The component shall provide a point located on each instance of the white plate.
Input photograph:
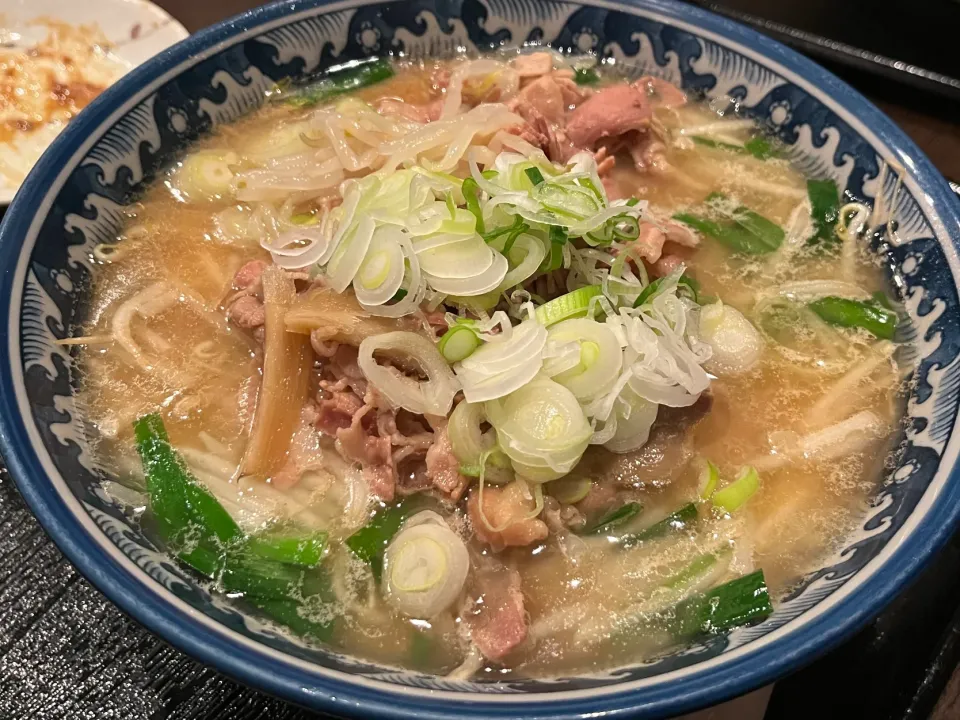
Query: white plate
(137, 30)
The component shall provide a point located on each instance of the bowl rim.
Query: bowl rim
(191, 631)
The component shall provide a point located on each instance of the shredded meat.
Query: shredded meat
(337, 412)
(506, 510)
(248, 312)
(323, 348)
(496, 618)
(561, 518)
(357, 444)
(248, 276)
(610, 112)
(443, 468)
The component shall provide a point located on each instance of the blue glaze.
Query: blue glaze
(74, 197)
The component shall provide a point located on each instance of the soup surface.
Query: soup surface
(494, 366)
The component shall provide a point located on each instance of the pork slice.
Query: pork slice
(504, 522)
(544, 96)
(248, 276)
(533, 65)
(247, 311)
(443, 468)
(549, 137)
(497, 620)
(649, 242)
(610, 112)
(337, 412)
(661, 92)
(374, 454)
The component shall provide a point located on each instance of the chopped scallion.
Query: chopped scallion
(370, 542)
(734, 495)
(572, 305)
(824, 208)
(873, 318)
(471, 193)
(738, 602)
(742, 230)
(536, 177)
(677, 520)
(585, 76)
(341, 81)
(458, 343)
(614, 519)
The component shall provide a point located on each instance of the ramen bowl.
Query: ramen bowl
(75, 198)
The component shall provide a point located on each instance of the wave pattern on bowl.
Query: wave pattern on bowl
(230, 81)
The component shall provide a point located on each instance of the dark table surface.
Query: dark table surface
(65, 652)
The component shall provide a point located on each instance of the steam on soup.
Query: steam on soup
(498, 363)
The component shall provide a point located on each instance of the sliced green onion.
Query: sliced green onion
(536, 177)
(738, 602)
(570, 490)
(572, 305)
(267, 569)
(689, 285)
(614, 519)
(734, 495)
(709, 479)
(585, 76)
(518, 227)
(761, 148)
(554, 258)
(625, 227)
(716, 144)
(855, 314)
(633, 202)
(370, 542)
(341, 81)
(742, 230)
(677, 520)
(422, 650)
(824, 208)
(182, 506)
(692, 572)
(457, 343)
(471, 192)
(305, 550)
(758, 147)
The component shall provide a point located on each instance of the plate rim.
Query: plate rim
(8, 192)
(187, 632)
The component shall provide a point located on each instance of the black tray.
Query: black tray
(913, 44)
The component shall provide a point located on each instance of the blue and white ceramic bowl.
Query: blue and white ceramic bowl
(75, 197)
